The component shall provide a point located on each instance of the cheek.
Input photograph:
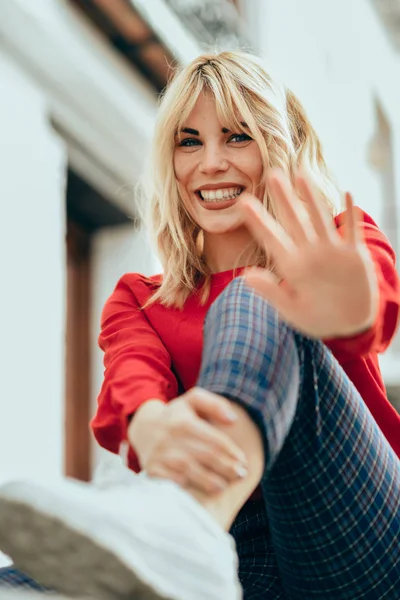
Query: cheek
(183, 194)
(181, 177)
(181, 168)
(251, 165)
(177, 168)
(256, 166)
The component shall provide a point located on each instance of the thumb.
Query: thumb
(210, 406)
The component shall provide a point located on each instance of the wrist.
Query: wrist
(145, 415)
(148, 410)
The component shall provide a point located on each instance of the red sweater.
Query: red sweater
(156, 352)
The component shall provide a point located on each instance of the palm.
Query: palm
(329, 284)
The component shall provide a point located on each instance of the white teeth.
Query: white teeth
(221, 194)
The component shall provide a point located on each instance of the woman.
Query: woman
(287, 442)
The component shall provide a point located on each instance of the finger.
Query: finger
(265, 229)
(352, 233)
(218, 441)
(194, 474)
(266, 285)
(167, 472)
(294, 217)
(322, 222)
(209, 406)
(205, 480)
(229, 469)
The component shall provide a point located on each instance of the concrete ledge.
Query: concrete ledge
(100, 102)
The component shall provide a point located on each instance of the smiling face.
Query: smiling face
(213, 166)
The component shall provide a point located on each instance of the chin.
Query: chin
(220, 224)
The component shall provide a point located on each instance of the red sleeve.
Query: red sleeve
(137, 364)
(378, 337)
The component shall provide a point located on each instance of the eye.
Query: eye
(240, 137)
(189, 142)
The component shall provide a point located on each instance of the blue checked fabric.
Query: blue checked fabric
(10, 577)
(258, 569)
(329, 527)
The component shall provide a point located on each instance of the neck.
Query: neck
(230, 250)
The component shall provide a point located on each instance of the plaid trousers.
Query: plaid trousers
(328, 525)
(10, 577)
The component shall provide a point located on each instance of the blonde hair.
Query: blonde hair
(243, 92)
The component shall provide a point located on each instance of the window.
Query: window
(382, 160)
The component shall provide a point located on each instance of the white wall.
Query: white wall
(32, 174)
(94, 96)
(32, 300)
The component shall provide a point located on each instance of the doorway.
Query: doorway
(77, 407)
(87, 212)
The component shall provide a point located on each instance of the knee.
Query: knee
(247, 328)
(239, 307)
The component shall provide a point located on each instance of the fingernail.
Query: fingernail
(241, 471)
(231, 415)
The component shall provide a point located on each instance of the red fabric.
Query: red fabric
(155, 353)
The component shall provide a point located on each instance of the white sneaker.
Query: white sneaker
(147, 540)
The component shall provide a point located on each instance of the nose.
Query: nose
(213, 160)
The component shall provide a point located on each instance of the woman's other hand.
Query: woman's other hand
(329, 283)
(180, 441)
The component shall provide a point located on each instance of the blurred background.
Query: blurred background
(79, 84)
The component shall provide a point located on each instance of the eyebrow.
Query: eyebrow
(189, 130)
(223, 130)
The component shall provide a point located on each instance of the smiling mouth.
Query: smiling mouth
(219, 195)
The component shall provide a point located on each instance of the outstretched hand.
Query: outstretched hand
(330, 286)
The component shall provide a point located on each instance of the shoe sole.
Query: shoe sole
(16, 594)
(66, 560)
